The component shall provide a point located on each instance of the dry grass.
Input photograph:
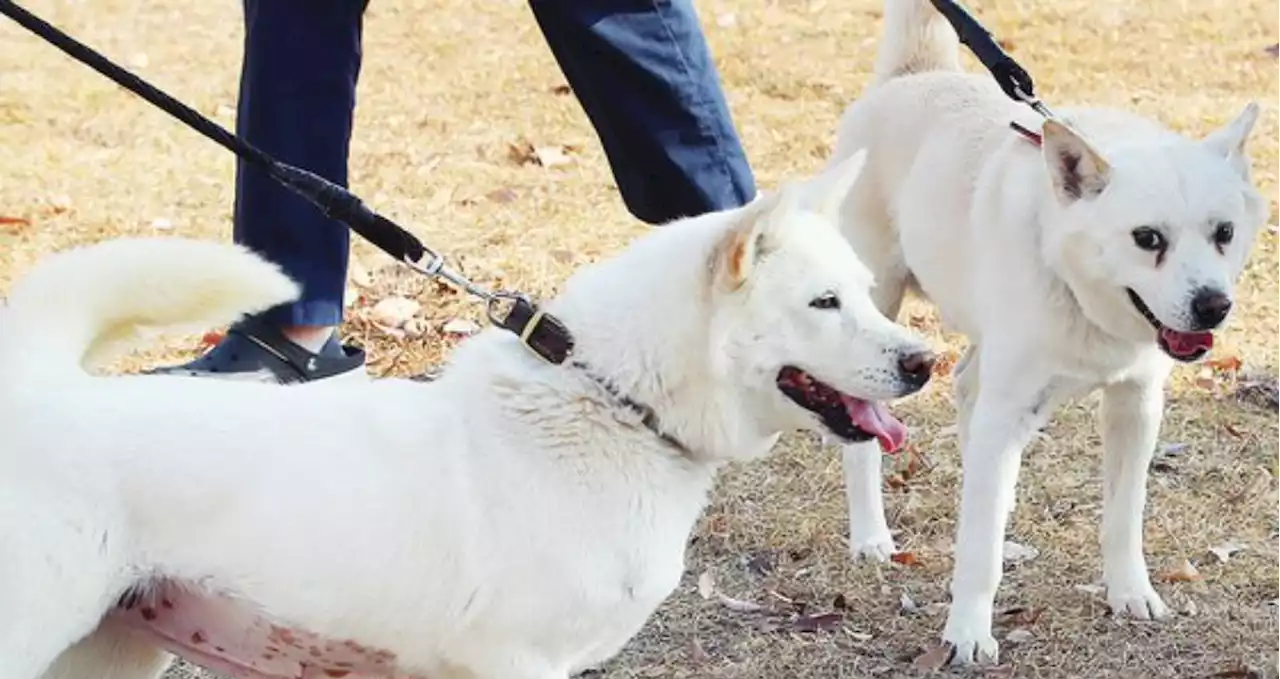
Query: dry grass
(462, 81)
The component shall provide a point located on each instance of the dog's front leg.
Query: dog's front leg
(1008, 409)
(869, 535)
(1130, 423)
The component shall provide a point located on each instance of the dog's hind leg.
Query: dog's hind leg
(59, 572)
(110, 652)
(1129, 420)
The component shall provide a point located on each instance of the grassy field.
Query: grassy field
(453, 95)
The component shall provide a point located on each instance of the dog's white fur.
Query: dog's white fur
(510, 520)
(1028, 253)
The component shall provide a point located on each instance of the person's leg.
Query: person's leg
(645, 77)
(296, 102)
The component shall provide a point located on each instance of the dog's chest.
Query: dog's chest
(231, 637)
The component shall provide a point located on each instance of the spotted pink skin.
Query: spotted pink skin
(229, 636)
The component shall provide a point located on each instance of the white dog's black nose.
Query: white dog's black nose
(1209, 308)
(916, 367)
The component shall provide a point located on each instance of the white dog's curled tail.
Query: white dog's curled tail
(915, 38)
(77, 308)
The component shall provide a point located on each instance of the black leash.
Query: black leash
(541, 332)
(1009, 74)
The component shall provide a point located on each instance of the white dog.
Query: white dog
(1084, 262)
(513, 520)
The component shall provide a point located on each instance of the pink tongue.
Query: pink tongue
(874, 418)
(1186, 343)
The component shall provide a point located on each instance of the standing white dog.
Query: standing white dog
(1085, 264)
(514, 519)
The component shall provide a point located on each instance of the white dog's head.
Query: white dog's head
(1153, 236)
(795, 321)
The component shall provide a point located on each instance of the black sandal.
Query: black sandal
(255, 350)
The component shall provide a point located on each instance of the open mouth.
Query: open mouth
(848, 417)
(1181, 346)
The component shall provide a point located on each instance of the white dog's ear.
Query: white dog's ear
(1075, 167)
(744, 244)
(1229, 140)
(835, 187)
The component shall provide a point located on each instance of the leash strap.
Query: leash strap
(541, 332)
(1009, 74)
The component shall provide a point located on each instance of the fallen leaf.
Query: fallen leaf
(761, 564)
(935, 658)
(1240, 672)
(415, 327)
(706, 584)
(1225, 363)
(460, 326)
(1183, 573)
(1205, 378)
(1225, 550)
(858, 636)
(1020, 615)
(392, 312)
(820, 622)
(800, 553)
(1015, 553)
(59, 203)
(521, 153)
(697, 654)
(14, 221)
(783, 598)
(905, 559)
(502, 195)
(738, 605)
(945, 362)
(1019, 636)
(551, 156)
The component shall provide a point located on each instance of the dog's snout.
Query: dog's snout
(916, 367)
(1209, 308)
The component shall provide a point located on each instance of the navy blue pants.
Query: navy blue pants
(641, 70)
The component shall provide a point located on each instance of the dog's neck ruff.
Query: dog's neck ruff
(648, 417)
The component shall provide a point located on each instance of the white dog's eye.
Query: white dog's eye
(1223, 233)
(1149, 239)
(826, 300)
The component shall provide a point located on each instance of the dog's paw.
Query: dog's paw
(873, 549)
(1140, 602)
(971, 644)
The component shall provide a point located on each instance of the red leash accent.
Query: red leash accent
(1033, 137)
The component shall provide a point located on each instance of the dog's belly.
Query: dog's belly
(229, 636)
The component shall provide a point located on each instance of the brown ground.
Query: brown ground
(451, 87)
